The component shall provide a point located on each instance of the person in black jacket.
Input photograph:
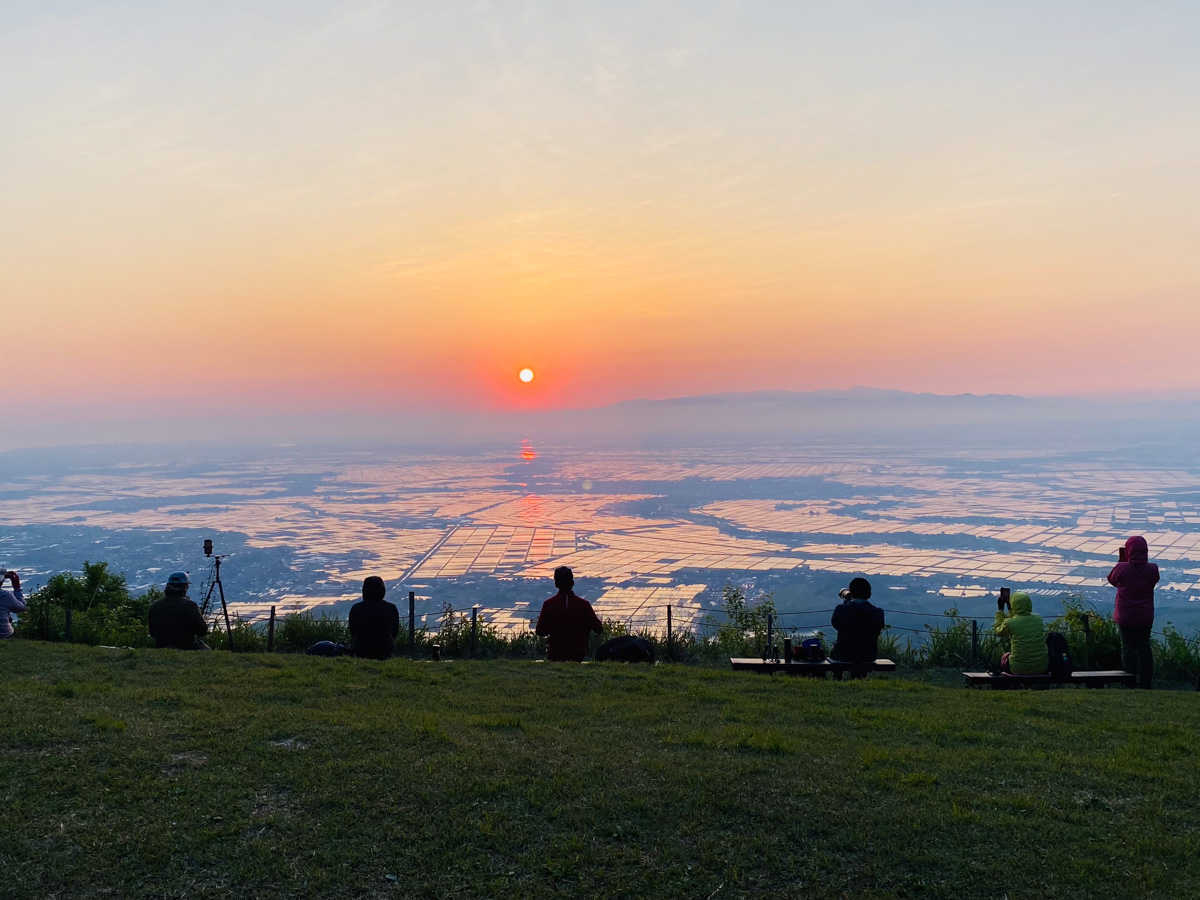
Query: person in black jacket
(858, 625)
(374, 623)
(175, 619)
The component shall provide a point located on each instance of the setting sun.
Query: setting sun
(526, 375)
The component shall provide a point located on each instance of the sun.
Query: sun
(526, 375)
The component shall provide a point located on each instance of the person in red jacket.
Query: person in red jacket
(1134, 577)
(566, 619)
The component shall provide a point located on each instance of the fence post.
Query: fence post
(770, 633)
(271, 632)
(1087, 640)
(69, 624)
(474, 629)
(670, 633)
(412, 622)
(974, 640)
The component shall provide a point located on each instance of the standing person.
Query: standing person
(566, 619)
(175, 620)
(1134, 577)
(374, 622)
(1028, 654)
(10, 602)
(858, 623)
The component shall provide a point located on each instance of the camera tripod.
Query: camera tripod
(216, 583)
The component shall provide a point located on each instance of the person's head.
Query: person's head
(1136, 549)
(1022, 603)
(373, 588)
(564, 578)
(860, 589)
(178, 584)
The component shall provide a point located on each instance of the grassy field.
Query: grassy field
(154, 774)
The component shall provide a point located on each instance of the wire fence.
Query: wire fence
(683, 618)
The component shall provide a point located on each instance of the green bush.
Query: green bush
(296, 632)
(102, 609)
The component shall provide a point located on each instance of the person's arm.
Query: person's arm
(596, 625)
(1114, 575)
(838, 620)
(1001, 624)
(15, 599)
(543, 621)
(199, 626)
(395, 623)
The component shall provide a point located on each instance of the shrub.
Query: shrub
(296, 632)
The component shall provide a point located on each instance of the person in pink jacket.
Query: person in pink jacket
(1134, 577)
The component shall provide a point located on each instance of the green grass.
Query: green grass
(157, 774)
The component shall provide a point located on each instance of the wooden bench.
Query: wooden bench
(1086, 679)
(810, 669)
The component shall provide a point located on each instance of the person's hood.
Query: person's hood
(1136, 549)
(1022, 604)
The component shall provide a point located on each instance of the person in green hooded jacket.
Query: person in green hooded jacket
(1027, 635)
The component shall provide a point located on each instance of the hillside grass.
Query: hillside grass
(140, 773)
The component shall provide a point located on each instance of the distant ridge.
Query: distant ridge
(856, 395)
(878, 413)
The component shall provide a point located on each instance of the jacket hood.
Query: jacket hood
(1022, 604)
(1136, 549)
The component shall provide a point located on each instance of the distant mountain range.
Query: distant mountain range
(867, 410)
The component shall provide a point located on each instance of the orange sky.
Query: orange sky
(396, 206)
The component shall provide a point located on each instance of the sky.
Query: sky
(295, 207)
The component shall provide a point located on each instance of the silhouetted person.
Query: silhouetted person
(10, 602)
(859, 624)
(1026, 632)
(374, 623)
(566, 619)
(1134, 577)
(175, 620)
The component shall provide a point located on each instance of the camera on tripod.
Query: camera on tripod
(215, 582)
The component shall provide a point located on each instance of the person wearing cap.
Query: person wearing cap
(10, 602)
(858, 623)
(1027, 654)
(374, 622)
(175, 620)
(566, 620)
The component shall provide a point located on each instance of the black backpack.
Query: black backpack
(1060, 655)
(628, 648)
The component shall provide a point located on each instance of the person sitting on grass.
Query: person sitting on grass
(858, 623)
(1027, 653)
(175, 619)
(566, 619)
(374, 622)
(10, 602)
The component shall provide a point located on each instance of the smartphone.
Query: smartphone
(1122, 555)
(1005, 593)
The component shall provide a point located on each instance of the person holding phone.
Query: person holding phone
(1027, 654)
(1134, 577)
(10, 602)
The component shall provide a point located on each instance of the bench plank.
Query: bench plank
(809, 669)
(1091, 679)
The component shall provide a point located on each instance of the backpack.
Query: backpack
(811, 650)
(1060, 655)
(628, 648)
(328, 648)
